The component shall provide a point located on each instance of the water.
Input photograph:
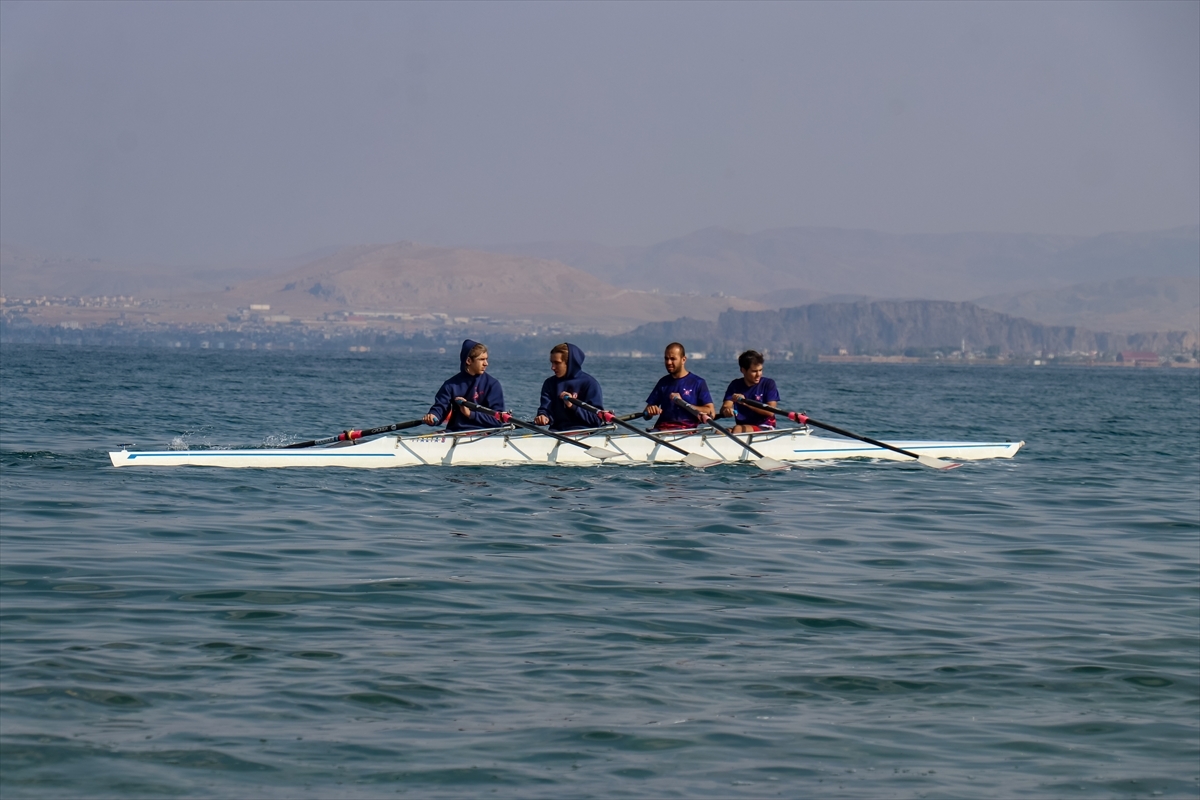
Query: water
(1023, 628)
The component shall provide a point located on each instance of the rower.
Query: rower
(568, 382)
(471, 383)
(678, 382)
(754, 386)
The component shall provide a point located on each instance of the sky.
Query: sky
(187, 133)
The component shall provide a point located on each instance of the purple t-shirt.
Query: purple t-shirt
(690, 387)
(763, 392)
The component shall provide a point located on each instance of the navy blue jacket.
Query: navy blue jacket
(575, 381)
(482, 389)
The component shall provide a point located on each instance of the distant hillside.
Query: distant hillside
(832, 261)
(25, 272)
(883, 327)
(1122, 306)
(408, 277)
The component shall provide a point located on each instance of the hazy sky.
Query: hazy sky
(198, 133)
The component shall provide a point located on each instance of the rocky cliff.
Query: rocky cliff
(884, 327)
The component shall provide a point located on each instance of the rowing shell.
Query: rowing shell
(507, 445)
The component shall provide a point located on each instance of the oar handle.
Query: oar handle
(804, 419)
(695, 412)
(503, 416)
(350, 436)
(795, 416)
(691, 409)
(605, 416)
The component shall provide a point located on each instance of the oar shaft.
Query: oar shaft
(695, 412)
(350, 436)
(570, 400)
(504, 416)
(804, 419)
(608, 416)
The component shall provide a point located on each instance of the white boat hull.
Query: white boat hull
(507, 446)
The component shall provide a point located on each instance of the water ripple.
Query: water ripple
(1017, 628)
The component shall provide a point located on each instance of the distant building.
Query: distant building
(1138, 359)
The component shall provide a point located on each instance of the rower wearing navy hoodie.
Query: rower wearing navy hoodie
(471, 383)
(566, 362)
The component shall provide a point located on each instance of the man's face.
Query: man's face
(558, 364)
(752, 374)
(674, 360)
(477, 365)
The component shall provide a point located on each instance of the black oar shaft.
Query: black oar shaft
(695, 412)
(804, 419)
(504, 416)
(350, 436)
(608, 416)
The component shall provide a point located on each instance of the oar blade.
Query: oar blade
(699, 461)
(601, 453)
(937, 463)
(769, 464)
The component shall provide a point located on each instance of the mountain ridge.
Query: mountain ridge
(408, 277)
(837, 261)
(885, 327)
(1136, 281)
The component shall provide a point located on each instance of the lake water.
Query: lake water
(1014, 628)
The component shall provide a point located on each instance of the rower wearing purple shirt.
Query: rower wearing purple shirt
(754, 386)
(678, 382)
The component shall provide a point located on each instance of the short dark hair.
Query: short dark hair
(750, 358)
(682, 352)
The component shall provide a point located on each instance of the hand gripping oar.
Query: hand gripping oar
(804, 419)
(691, 459)
(760, 461)
(504, 416)
(575, 401)
(350, 436)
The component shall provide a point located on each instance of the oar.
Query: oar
(575, 401)
(760, 461)
(691, 459)
(804, 419)
(504, 416)
(350, 436)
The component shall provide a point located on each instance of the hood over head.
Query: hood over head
(575, 358)
(467, 345)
